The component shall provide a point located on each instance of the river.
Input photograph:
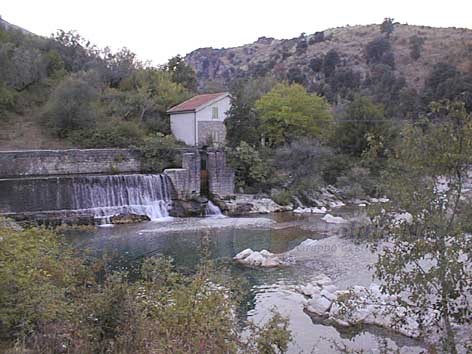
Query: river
(223, 237)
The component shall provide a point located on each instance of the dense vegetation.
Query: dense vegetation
(428, 254)
(55, 300)
(83, 96)
(290, 133)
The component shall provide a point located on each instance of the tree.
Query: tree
(251, 169)
(181, 72)
(302, 164)
(145, 96)
(243, 122)
(361, 121)
(316, 64)
(387, 26)
(119, 65)
(446, 82)
(425, 256)
(329, 62)
(379, 51)
(288, 112)
(72, 105)
(416, 44)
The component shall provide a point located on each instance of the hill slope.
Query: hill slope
(218, 67)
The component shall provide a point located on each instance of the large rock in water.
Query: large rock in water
(333, 219)
(241, 204)
(359, 305)
(264, 259)
(189, 208)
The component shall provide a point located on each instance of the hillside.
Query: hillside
(295, 59)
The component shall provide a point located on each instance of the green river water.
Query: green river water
(338, 257)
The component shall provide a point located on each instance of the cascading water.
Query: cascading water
(212, 210)
(106, 196)
(98, 196)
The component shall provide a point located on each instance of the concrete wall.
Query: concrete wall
(182, 126)
(220, 175)
(66, 162)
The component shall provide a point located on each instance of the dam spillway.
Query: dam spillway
(90, 185)
(97, 196)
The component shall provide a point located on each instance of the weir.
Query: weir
(97, 196)
(92, 186)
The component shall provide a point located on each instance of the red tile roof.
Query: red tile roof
(193, 103)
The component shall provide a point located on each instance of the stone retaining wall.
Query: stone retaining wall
(220, 175)
(66, 162)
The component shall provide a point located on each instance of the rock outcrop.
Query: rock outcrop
(242, 204)
(359, 305)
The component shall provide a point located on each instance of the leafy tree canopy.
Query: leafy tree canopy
(181, 72)
(288, 112)
(362, 120)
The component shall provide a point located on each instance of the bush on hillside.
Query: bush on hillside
(111, 133)
(379, 51)
(73, 105)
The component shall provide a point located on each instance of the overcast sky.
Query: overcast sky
(157, 30)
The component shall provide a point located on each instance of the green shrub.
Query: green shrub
(160, 152)
(112, 133)
(7, 99)
(251, 169)
(357, 182)
(73, 105)
(282, 197)
(51, 302)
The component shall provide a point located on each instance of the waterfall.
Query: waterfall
(105, 196)
(212, 210)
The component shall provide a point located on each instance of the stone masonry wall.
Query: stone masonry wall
(66, 162)
(186, 180)
(214, 132)
(220, 175)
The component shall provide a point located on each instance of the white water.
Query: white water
(106, 196)
(212, 210)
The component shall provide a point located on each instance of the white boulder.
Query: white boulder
(360, 305)
(263, 258)
(334, 219)
(319, 305)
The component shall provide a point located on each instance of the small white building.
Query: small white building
(199, 121)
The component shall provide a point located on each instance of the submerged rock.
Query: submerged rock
(128, 219)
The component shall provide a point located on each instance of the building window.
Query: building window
(214, 112)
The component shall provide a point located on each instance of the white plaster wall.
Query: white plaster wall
(205, 114)
(223, 107)
(182, 126)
